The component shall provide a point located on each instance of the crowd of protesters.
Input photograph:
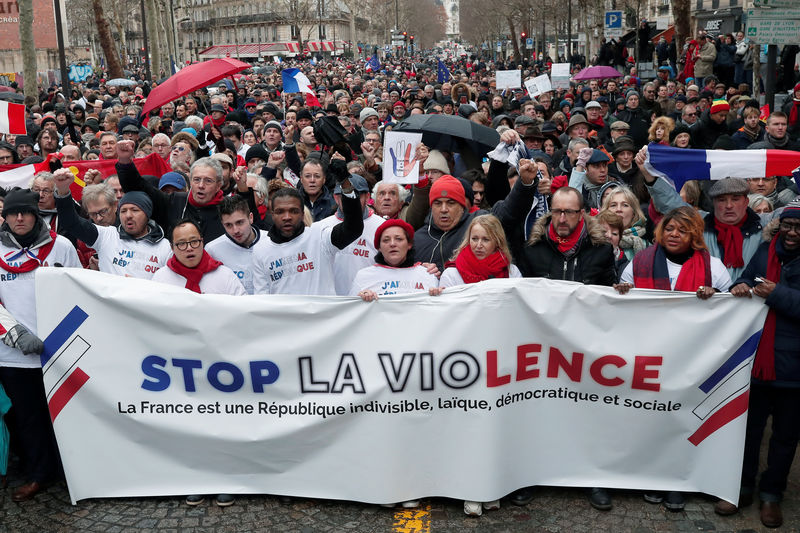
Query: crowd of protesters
(258, 176)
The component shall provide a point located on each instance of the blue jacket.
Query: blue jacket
(785, 301)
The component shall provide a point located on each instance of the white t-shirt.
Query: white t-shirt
(451, 278)
(221, 280)
(128, 257)
(303, 265)
(236, 257)
(18, 294)
(720, 278)
(384, 280)
(357, 255)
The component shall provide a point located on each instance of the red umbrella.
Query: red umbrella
(191, 78)
(596, 73)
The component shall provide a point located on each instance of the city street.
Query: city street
(552, 510)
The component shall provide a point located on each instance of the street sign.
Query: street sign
(529, 42)
(774, 3)
(612, 26)
(773, 26)
(773, 31)
(773, 13)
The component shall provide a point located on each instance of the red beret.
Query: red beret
(393, 222)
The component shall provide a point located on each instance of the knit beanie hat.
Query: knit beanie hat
(393, 222)
(139, 199)
(792, 210)
(448, 187)
(257, 150)
(21, 201)
(719, 105)
(436, 161)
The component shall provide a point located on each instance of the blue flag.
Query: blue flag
(373, 64)
(442, 74)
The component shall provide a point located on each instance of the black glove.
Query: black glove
(55, 164)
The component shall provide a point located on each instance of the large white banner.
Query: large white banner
(156, 390)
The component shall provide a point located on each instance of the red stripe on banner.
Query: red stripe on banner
(16, 119)
(781, 162)
(66, 391)
(730, 411)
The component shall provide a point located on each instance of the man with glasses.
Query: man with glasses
(136, 248)
(768, 187)
(689, 114)
(773, 274)
(200, 203)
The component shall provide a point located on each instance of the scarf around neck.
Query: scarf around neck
(194, 275)
(211, 203)
(567, 245)
(473, 270)
(729, 236)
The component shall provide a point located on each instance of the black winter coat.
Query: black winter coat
(785, 301)
(593, 264)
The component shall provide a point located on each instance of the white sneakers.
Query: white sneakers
(476, 508)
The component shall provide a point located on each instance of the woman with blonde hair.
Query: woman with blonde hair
(483, 254)
(660, 129)
(623, 202)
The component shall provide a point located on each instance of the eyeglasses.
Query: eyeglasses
(178, 148)
(568, 212)
(99, 214)
(690, 114)
(193, 244)
(788, 226)
(6, 157)
(207, 181)
(43, 192)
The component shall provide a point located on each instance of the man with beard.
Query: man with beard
(299, 260)
(137, 248)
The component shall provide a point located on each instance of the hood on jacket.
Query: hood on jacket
(154, 233)
(8, 239)
(770, 230)
(595, 232)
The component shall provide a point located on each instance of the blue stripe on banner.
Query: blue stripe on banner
(62, 332)
(743, 352)
(679, 164)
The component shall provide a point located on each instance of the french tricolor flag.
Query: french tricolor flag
(682, 164)
(295, 81)
(12, 118)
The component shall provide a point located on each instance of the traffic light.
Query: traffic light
(412, 38)
(405, 34)
(524, 35)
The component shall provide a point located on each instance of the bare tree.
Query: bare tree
(681, 9)
(106, 40)
(28, 49)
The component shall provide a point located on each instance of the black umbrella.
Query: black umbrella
(12, 97)
(453, 134)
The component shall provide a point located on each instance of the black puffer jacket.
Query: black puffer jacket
(593, 264)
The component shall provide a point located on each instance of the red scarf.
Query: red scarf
(214, 201)
(794, 114)
(565, 244)
(194, 275)
(473, 270)
(730, 237)
(34, 261)
(764, 365)
(650, 270)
